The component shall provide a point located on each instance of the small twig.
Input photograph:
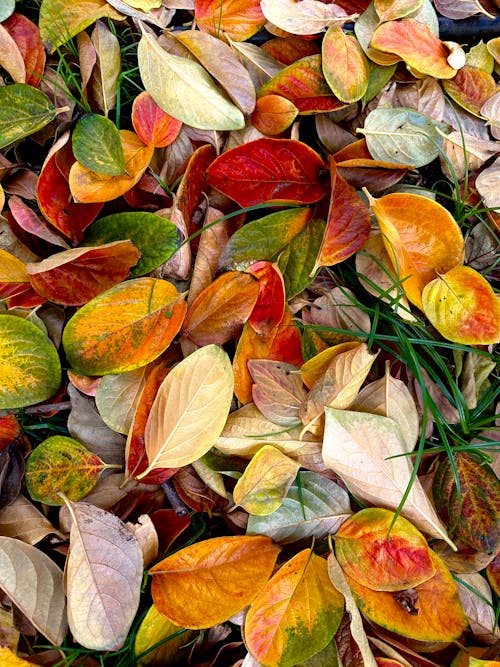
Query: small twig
(180, 508)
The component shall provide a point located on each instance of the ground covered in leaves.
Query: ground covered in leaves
(248, 317)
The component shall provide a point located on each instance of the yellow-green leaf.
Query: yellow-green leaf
(23, 110)
(296, 615)
(30, 370)
(345, 67)
(156, 629)
(190, 409)
(266, 480)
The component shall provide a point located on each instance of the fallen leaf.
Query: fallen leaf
(273, 114)
(23, 110)
(156, 629)
(94, 130)
(105, 78)
(269, 308)
(304, 18)
(471, 88)
(349, 82)
(117, 398)
(152, 125)
(477, 602)
(237, 19)
(23, 521)
(277, 390)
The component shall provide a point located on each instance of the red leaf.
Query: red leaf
(270, 307)
(27, 38)
(193, 184)
(153, 126)
(31, 223)
(348, 224)
(73, 277)
(269, 170)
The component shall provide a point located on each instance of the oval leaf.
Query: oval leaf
(61, 465)
(349, 82)
(97, 145)
(104, 337)
(23, 110)
(30, 370)
(237, 19)
(190, 409)
(186, 586)
(153, 126)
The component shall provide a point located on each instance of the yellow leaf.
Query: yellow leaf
(266, 480)
(210, 581)
(190, 409)
(154, 629)
(9, 659)
(349, 82)
(463, 307)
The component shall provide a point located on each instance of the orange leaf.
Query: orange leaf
(269, 309)
(73, 277)
(349, 82)
(210, 581)
(463, 307)
(348, 223)
(289, 49)
(381, 557)
(421, 238)
(88, 186)
(296, 615)
(416, 44)
(273, 114)
(153, 126)
(14, 278)
(193, 184)
(238, 19)
(124, 328)
(440, 616)
(470, 88)
(304, 84)
(220, 310)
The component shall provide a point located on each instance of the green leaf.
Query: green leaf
(23, 110)
(314, 507)
(30, 370)
(183, 89)
(6, 9)
(297, 260)
(97, 145)
(155, 237)
(61, 465)
(402, 136)
(263, 238)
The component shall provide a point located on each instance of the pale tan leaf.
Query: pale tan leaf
(117, 397)
(214, 480)
(178, 267)
(145, 533)
(338, 310)
(477, 602)
(358, 446)
(260, 65)
(34, 583)
(220, 61)
(475, 154)
(87, 57)
(190, 409)
(10, 57)
(103, 578)
(184, 89)
(304, 18)
(491, 111)
(25, 522)
(356, 622)
(461, 562)
(105, 75)
(487, 184)
(277, 391)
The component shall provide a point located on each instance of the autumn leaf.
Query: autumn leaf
(152, 125)
(237, 19)
(186, 585)
(349, 82)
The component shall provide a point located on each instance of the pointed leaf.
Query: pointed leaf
(266, 480)
(26, 36)
(297, 260)
(358, 447)
(388, 10)
(186, 586)
(471, 87)
(463, 307)
(314, 507)
(296, 615)
(23, 110)
(30, 370)
(61, 465)
(152, 125)
(156, 630)
(268, 311)
(383, 555)
(104, 84)
(34, 583)
(190, 409)
(237, 19)
(269, 170)
(103, 575)
(117, 398)
(96, 145)
(103, 337)
(305, 18)
(183, 89)
(349, 82)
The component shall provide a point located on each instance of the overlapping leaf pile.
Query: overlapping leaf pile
(251, 246)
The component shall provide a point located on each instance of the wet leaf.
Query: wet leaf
(183, 89)
(61, 465)
(238, 19)
(266, 480)
(463, 307)
(23, 110)
(349, 82)
(269, 170)
(97, 132)
(103, 578)
(186, 585)
(421, 238)
(34, 583)
(152, 125)
(363, 449)
(296, 614)
(314, 507)
(440, 616)
(190, 409)
(103, 337)
(471, 517)
(30, 369)
(383, 555)
(220, 310)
